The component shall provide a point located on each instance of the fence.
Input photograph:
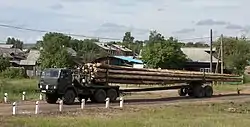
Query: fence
(24, 106)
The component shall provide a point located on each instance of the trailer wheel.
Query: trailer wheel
(69, 97)
(208, 91)
(182, 92)
(51, 98)
(100, 95)
(198, 91)
(112, 94)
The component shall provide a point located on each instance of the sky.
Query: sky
(182, 19)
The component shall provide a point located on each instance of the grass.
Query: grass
(15, 88)
(186, 115)
(227, 88)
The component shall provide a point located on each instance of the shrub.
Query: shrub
(246, 78)
(13, 73)
(4, 63)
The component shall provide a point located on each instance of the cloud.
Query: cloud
(234, 27)
(185, 31)
(210, 22)
(112, 29)
(57, 6)
(77, 0)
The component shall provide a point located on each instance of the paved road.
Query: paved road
(28, 107)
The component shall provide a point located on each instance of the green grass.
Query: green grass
(206, 115)
(15, 87)
(228, 87)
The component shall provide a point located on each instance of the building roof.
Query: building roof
(129, 59)
(121, 47)
(28, 62)
(6, 52)
(105, 46)
(32, 58)
(198, 54)
(6, 45)
(33, 55)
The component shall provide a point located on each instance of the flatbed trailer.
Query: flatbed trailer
(65, 84)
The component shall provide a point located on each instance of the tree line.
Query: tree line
(157, 52)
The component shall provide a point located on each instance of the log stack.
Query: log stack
(102, 73)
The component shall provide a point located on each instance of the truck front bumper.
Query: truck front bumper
(47, 91)
(47, 88)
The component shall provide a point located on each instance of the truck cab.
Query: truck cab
(60, 83)
(54, 82)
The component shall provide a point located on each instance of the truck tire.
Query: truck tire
(51, 98)
(198, 91)
(208, 91)
(112, 94)
(100, 96)
(69, 97)
(182, 92)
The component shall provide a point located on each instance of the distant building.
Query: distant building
(107, 48)
(199, 59)
(14, 54)
(30, 64)
(122, 50)
(128, 61)
(114, 49)
(6, 45)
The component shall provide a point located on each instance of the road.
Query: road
(28, 107)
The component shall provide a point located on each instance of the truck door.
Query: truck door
(65, 80)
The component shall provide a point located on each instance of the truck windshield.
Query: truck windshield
(50, 73)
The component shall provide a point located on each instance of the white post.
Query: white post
(23, 98)
(60, 105)
(121, 102)
(14, 108)
(37, 107)
(5, 97)
(83, 103)
(41, 97)
(107, 102)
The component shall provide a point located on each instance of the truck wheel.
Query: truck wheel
(208, 91)
(100, 95)
(69, 97)
(198, 91)
(51, 98)
(112, 94)
(182, 92)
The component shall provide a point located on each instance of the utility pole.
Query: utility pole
(222, 59)
(211, 50)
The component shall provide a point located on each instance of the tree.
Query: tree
(54, 53)
(163, 53)
(87, 49)
(4, 63)
(16, 42)
(155, 37)
(236, 53)
(128, 38)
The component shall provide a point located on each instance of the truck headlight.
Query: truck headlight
(40, 86)
(54, 87)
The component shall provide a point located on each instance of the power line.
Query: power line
(45, 31)
(85, 36)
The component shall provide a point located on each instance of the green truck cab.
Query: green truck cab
(62, 83)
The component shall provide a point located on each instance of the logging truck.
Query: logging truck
(93, 82)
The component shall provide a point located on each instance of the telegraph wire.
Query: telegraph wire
(85, 36)
(45, 31)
